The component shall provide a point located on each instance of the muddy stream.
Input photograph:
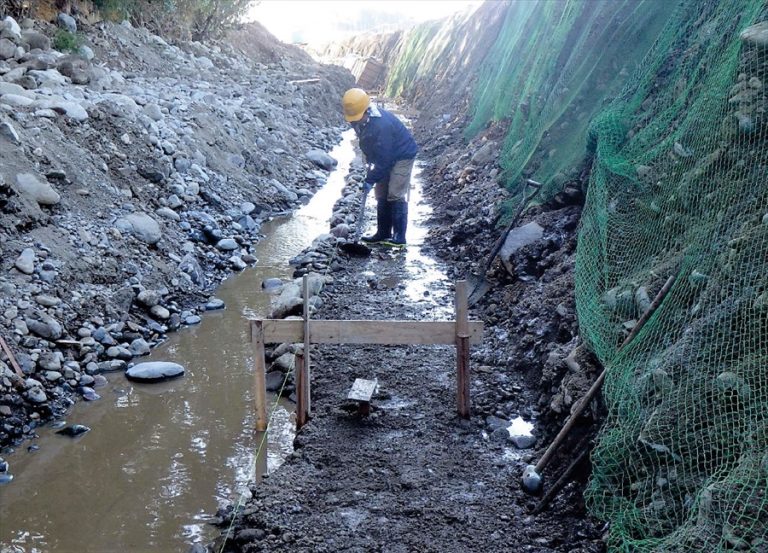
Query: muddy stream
(160, 458)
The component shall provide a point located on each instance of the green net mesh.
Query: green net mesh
(679, 187)
(548, 74)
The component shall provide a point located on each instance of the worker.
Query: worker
(389, 151)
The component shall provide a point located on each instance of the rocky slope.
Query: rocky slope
(134, 175)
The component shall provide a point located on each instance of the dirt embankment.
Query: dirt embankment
(134, 175)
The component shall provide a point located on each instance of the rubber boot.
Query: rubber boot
(383, 223)
(399, 221)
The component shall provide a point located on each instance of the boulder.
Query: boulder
(26, 261)
(756, 35)
(485, 153)
(76, 68)
(7, 49)
(67, 22)
(321, 159)
(519, 238)
(36, 40)
(8, 23)
(154, 371)
(8, 132)
(143, 227)
(14, 100)
(36, 189)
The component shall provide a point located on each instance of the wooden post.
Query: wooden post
(259, 375)
(300, 368)
(462, 349)
(307, 365)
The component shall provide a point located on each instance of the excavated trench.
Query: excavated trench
(161, 458)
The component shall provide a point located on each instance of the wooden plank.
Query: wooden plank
(462, 349)
(362, 389)
(370, 332)
(308, 379)
(259, 375)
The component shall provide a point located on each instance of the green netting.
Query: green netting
(550, 71)
(679, 186)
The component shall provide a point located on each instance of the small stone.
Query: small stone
(139, 347)
(227, 244)
(89, 394)
(74, 430)
(193, 320)
(213, 304)
(119, 352)
(160, 312)
(47, 301)
(52, 376)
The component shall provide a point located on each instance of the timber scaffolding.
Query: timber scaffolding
(460, 332)
(369, 73)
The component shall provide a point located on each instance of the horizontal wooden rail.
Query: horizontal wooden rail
(368, 332)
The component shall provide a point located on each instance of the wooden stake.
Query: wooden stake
(259, 376)
(462, 349)
(300, 368)
(307, 384)
(11, 358)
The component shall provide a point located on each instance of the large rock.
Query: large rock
(36, 40)
(67, 22)
(76, 68)
(757, 35)
(289, 302)
(14, 100)
(9, 24)
(11, 88)
(45, 326)
(7, 49)
(485, 154)
(26, 261)
(519, 238)
(38, 190)
(73, 110)
(321, 159)
(8, 132)
(154, 371)
(143, 227)
(285, 192)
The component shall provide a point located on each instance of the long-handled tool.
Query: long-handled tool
(478, 285)
(531, 479)
(355, 247)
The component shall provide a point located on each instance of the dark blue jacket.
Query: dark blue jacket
(384, 140)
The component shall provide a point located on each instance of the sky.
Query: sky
(318, 21)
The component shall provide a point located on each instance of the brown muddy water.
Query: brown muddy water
(161, 458)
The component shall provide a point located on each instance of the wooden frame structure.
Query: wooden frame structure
(462, 333)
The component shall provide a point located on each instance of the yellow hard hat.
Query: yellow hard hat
(355, 102)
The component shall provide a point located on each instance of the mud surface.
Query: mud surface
(413, 476)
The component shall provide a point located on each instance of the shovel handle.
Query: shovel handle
(584, 401)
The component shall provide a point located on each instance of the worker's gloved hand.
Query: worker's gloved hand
(367, 187)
